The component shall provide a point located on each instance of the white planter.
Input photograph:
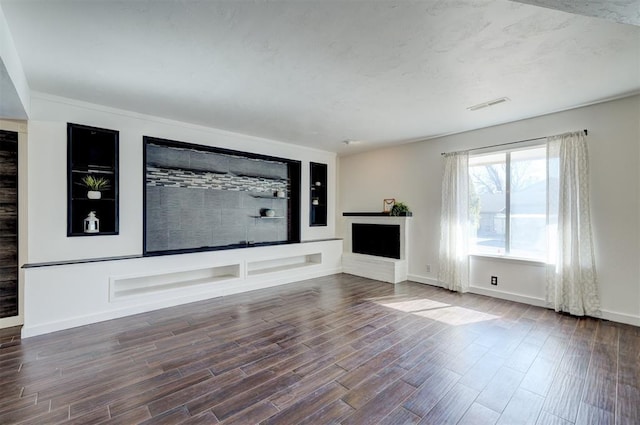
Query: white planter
(94, 194)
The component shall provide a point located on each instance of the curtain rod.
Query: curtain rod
(586, 132)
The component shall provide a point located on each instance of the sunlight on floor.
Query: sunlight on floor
(442, 312)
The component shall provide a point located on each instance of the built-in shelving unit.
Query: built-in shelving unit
(91, 151)
(127, 287)
(283, 263)
(318, 194)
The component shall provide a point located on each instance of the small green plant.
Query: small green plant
(399, 208)
(96, 183)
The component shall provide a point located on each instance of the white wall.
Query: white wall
(47, 161)
(61, 296)
(412, 173)
(13, 83)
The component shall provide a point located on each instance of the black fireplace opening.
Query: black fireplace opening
(382, 240)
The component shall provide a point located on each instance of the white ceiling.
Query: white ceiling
(316, 73)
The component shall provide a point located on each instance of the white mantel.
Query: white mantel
(390, 270)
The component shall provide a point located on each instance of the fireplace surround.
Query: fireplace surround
(367, 251)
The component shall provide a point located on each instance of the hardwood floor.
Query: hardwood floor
(339, 349)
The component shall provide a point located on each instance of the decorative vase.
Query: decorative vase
(270, 213)
(94, 194)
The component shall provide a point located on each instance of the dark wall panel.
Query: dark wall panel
(8, 224)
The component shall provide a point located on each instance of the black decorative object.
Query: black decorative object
(92, 156)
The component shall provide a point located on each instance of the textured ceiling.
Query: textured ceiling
(316, 73)
(623, 11)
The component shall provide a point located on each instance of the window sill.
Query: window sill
(505, 258)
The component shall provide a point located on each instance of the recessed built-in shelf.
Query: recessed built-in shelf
(318, 194)
(91, 152)
(128, 287)
(265, 217)
(92, 171)
(284, 263)
(267, 196)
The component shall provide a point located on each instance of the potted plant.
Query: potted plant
(400, 209)
(95, 185)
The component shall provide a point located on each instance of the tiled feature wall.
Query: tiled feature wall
(205, 180)
(204, 199)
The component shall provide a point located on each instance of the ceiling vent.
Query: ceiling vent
(489, 103)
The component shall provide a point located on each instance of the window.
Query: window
(508, 203)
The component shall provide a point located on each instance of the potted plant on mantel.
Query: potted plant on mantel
(95, 185)
(400, 209)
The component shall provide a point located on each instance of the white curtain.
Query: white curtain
(454, 223)
(571, 275)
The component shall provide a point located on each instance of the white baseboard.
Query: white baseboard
(424, 279)
(484, 291)
(510, 296)
(614, 316)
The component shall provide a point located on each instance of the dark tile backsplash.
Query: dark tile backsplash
(206, 199)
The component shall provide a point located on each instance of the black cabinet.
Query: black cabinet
(92, 153)
(318, 194)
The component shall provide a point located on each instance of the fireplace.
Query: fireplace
(376, 246)
(382, 240)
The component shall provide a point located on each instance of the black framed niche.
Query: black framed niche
(92, 152)
(201, 198)
(318, 194)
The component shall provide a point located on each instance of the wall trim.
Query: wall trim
(539, 302)
(424, 279)
(510, 296)
(613, 316)
(9, 322)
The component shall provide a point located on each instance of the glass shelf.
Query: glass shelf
(257, 195)
(265, 217)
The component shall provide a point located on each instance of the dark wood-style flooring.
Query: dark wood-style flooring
(339, 349)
